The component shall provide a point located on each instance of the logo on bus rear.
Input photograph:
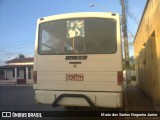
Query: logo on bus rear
(74, 77)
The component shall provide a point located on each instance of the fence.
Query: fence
(7, 82)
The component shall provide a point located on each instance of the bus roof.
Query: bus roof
(79, 15)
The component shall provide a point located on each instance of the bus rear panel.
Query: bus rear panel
(78, 60)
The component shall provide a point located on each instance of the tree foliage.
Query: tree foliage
(21, 56)
(132, 63)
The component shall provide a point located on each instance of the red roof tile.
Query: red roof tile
(21, 60)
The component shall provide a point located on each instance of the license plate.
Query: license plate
(75, 77)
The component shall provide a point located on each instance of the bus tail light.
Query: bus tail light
(34, 77)
(120, 77)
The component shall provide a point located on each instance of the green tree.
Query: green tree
(132, 63)
(21, 56)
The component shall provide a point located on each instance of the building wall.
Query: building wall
(10, 74)
(21, 73)
(147, 51)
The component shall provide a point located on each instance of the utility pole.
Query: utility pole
(125, 37)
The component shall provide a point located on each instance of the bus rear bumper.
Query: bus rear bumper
(70, 98)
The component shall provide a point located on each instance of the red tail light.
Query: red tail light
(120, 77)
(34, 77)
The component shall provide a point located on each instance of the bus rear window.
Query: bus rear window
(78, 36)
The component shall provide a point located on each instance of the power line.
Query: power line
(19, 47)
(20, 39)
(16, 44)
(130, 12)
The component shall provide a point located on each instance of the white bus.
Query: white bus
(78, 60)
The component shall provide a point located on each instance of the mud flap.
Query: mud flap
(54, 104)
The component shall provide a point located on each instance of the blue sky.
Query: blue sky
(18, 20)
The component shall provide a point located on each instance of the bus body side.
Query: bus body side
(96, 76)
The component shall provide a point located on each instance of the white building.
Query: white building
(19, 70)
